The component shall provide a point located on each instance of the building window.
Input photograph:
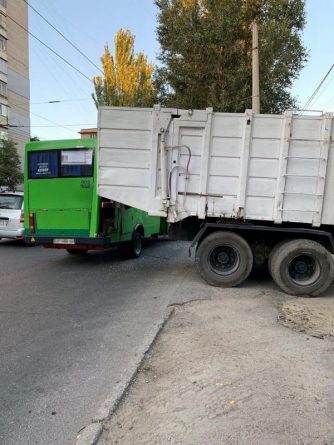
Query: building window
(3, 110)
(3, 88)
(3, 43)
(3, 66)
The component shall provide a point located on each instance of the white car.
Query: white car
(11, 215)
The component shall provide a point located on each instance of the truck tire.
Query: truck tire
(224, 259)
(301, 267)
(134, 248)
(77, 251)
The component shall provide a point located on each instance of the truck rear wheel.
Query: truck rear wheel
(301, 267)
(224, 259)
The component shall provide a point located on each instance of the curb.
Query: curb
(91, 434)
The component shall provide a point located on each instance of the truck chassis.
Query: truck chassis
(299, 259)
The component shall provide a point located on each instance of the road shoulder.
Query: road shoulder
(225, 370)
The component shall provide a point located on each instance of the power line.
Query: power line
(41, 117)
(17, 132)
(59, 101)
(58, 55)
(316, 91)
(329, 102)
(48, 47)
(64, 85)
(102, 72)
(54, 12)
(67, 40)
(45, 126)
(149, 12)
(21, 133)
(19, 61)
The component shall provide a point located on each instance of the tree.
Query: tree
(10, 165)
(206, 52)
(126, 77)
(34, 139)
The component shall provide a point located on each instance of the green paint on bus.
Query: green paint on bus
(62, 208)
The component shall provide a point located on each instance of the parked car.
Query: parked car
(11, 215)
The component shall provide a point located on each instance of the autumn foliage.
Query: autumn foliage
(126, 79)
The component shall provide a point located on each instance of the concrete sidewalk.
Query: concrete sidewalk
(226, 370)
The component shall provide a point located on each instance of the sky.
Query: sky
(90, 25)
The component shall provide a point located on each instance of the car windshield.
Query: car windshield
(10, 201)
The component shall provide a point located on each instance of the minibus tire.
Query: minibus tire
(135, 246)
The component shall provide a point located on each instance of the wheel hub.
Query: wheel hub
(301, 267)
(224, 260)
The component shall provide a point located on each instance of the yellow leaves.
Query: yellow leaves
(186, 3)
(189, 5)
(126, 76)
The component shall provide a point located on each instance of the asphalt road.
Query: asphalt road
(69, 328)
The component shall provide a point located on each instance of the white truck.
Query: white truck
(246, 189)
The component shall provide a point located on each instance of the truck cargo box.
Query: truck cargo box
(180, 163)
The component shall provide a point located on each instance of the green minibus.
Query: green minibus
(62, 207)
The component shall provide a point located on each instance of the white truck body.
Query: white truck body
(180, 163)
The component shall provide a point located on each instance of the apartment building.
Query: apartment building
(14, 73)
(87, 133)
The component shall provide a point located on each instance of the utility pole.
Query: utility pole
(255, 67)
